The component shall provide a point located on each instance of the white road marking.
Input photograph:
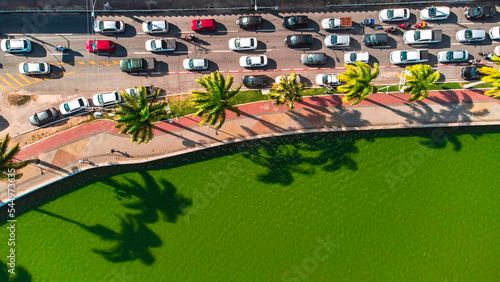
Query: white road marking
(456, 43)
(221, 51)
(228, 31)
(466, 23)
(142, 53)
(182, 52)
(158, 72)
(285, 69)
(263, 50)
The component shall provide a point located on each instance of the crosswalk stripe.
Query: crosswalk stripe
(1, 86)
(105, 63)
(15, 80)
(93, 63)
(24, 78)
(82, 63)
(8, 83)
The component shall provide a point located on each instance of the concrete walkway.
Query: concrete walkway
(60, 154)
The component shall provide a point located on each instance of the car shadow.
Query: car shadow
(267, 26)
(130, 31)
(373, 60)
(354, 45)
(3, 123)
(261, 48)
(120, 52)
(271, 65)
(212, 67)
(162, 67)
(180, 49)
(37, 50)
(173, 31)
(221, 29)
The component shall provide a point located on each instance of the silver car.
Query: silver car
(195, 64)
(337, 41)
(34, 68)
(43, 117)
(15, 45)
(470, 35)
(155, 27)
(313, 59)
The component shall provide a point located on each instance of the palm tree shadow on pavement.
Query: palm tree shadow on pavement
(151, 198)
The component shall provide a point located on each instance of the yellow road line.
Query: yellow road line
(82, 63)
(24, 78)
(8, 83)
(36, 79)
(60, 63)
(93, 63)
(115, 62)
(71, 72)
(1, 86)
(15, 80)
(105, 63)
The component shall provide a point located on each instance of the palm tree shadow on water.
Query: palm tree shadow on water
(21, 274)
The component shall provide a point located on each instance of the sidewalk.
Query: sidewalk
(60, 154)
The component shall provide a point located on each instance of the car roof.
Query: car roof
(158, 24)
(16, 43)
(198, 62)
(34, 67)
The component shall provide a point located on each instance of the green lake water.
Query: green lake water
(359, 206)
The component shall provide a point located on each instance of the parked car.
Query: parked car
(352, 57)
(313, 59)
(409, 56)
(43, 117)
(15, 45)
(204, 25)
(155, 27)
(376, 39)
(424, 36)
(434, 13)
(134, 92)
(107, 98)
(337, 40)
(394, 15)
(494, 33)
(74, 106)
(161, 45)
(456, 56)
(253, 61)
(100, 46)
(470, 35)
(298, 40)
(195, 64)
(471, 73)
(34, 68)
(246, 43)
(327, 79)
(109, 26)
(249, 22)
(337, 23)
(496, 51)
(287, 77)
(295, 21)
(252, 81)
(480, 12)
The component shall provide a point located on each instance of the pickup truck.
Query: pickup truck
(336, 23)
(423, 36)
(138, 64)
(409, 56)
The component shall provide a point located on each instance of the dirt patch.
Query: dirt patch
(17, 100)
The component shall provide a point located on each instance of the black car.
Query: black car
(480, 12)
(299, 40)
(471, 73)
(376, 39)
(295, 22)
(249, 22)
(252, 81)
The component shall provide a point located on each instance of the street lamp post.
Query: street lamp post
(93, 11)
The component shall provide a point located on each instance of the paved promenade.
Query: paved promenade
(61, 153)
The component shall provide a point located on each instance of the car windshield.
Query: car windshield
(353, 57)
(249, 60)
(35, 117)
(310, 58)
(373, 39)
(94, 45)
(250, 81)
(66, 107)
(252, 43)
(7, 44)
(331, 22)
(404, 55)
(191, 64)
(117, 25)
(449, 55)
(237, 43)
(198, 24)
(476, 12)
(41, 66)
(334, 39)
(468, 34)
(432, 12)
(292, 20)
(390, 13)
(26, 68)
(101, 101)
(325, 79)
(101, 25)
(150, 25)
(153, 44)
(293, 40)
(417, 35)
(245, 20)
(80, 101)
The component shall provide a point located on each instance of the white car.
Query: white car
(134, 92)
(352, 57)
(496, 51)
(470, 35)
(394, 15)
(409, 56)
(109, 26)
(155, 27)
(247, 43)
(15, 45)
(336, 23)
(456, 56)
(74, 106)
(495, 33)
(327, 79)
(195, 64)
(107, 98)
(337, 40)
(434, 13)
(161, 45)
(34, 68)
(279, 78)
(423, 36)
(254, 61)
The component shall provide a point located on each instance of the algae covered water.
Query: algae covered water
(357, 206)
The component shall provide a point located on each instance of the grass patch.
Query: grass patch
(18, 100)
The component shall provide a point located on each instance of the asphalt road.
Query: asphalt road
(80, 73)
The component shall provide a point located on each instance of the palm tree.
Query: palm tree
(288, 91)
(9, 169)
(136, 116)
(418, 81)
(493, 77)
(214, 101)
(358, 80)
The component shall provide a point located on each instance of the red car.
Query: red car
(203, 25)
(100, 46)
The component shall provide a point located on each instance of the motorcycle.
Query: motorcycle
(391, 29)
(474, 61)
(61, 48)
(421, 25)
(189, 37)
(487, 55)
(367, 22)
(405, 25)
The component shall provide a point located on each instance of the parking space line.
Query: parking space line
(222, 51)
(8, 83)
(93, 63)
(1, 86)
(142, 53)
(37, 79)
(263, 50)
(24, 78)
(82, 63)
(14, 79)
